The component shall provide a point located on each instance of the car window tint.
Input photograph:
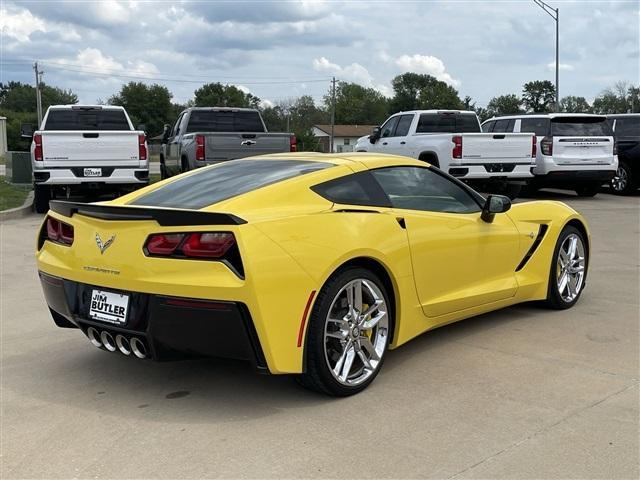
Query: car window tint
(224, 121)
(467, 123)
(89, 119)
(436, 123)
(539, 126)
(566, 126)
(389, 127)
(417, 188)
(355, 189)
(628, 127)
(488, 126)
(226, 180)
(402, 130)
(501, 126)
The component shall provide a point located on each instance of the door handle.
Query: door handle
(403, 143)
(384, 143)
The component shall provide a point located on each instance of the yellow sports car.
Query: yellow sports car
(302, 263)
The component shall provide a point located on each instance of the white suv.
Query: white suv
(575, 151)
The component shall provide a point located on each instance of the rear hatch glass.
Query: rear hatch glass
(224, 121)
(226, 180)
(86, 119)
(571, 126)
(447, 123)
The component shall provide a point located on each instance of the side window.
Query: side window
(418, 188)
(355, 189)
(539, 126)
(510, 125)
(389, 128)
(176, 127)
(402, 130)
(488, 126)
(501, 126)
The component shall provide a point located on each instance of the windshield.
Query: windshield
(567, 126)
(225, 121)
(86, 119)
(226, 180)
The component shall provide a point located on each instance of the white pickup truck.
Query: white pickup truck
(86, 148)
(452, 141)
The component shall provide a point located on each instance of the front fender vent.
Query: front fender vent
(536, 243)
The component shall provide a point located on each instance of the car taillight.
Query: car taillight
(37, 151)
(293, 143)
(615, 147)
(213, 245)
(457, 146)
(534, 147)
(59, 232)
(200, 153)
(142, 146)
(546, 146)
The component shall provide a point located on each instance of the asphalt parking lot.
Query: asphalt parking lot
(519, 393)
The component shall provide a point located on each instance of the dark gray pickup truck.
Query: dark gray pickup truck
(626, 132)
(207, 135)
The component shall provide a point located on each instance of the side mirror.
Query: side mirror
(142, 127)
(166, 132)
(26, 130)
(495, 204)
(375, 135)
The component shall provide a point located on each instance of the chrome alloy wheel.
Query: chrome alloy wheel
(619, 182)
(356, 332)
(570, 268)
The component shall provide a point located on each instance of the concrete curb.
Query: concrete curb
(18, 212)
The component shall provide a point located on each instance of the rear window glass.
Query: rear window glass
(447, 123)
(224, 121)
(565, 126)
(539, 126)
(93, 119)
(226, 180)
(628, 127)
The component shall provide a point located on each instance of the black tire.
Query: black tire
(163, 169)
(529, 190)
(317, 375)
(41, 197)
(554, 298)
(624, 183)
(512, 190)
(184, 164)
(588, 189)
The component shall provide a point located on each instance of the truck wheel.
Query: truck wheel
(163, 169)
(512, 190)
(42, 195)
(623, 183)
(588, 189)
(184, 165)
(529, 190)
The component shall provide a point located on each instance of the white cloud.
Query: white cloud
(19, 25)
(426, 64)
(355, 73)
(92, 59)
(563, 66)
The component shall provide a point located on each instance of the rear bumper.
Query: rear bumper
(488, 171)
(169, 327)
(575, 177)
(74, 176)
(546, 165)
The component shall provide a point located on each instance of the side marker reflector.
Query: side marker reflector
(303, 322)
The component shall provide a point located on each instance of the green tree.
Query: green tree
(573, 104)
(146, 104)
(297, 115)
(418, 91)
(621, 98)
(358, 105)
(539, 96)
(509, 104)
(219, 95)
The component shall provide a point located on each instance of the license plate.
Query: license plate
(109, 307)
(92, 172)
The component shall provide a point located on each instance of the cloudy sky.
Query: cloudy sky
(278, 49)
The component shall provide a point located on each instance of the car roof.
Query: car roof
(460, 112)
(79, 106)
(368, 160)
(622, 115)
(543, 115)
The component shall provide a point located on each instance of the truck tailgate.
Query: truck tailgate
(493, 147)
(227, 146)
(68, 148)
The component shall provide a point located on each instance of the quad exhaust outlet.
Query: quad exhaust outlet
(125, 345)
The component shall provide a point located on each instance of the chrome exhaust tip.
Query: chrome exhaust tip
(94, 336)
(107, 341)
(123, 345)
(138, 348)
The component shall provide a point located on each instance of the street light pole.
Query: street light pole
(555, 14)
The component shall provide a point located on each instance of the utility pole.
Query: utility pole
(555, 14)
(38, 95)
(333, 111)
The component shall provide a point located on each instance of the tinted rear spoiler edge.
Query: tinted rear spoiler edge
(164, 216)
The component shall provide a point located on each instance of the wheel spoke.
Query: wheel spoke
(563, 259)
(573, 245)
(339, 334)
(372, 322)
(365, 360)
(343, 367)
(368, 346)
(344, 325)
(571, 289)
(562, 283)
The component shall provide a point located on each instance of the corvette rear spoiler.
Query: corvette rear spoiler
(167, 217)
